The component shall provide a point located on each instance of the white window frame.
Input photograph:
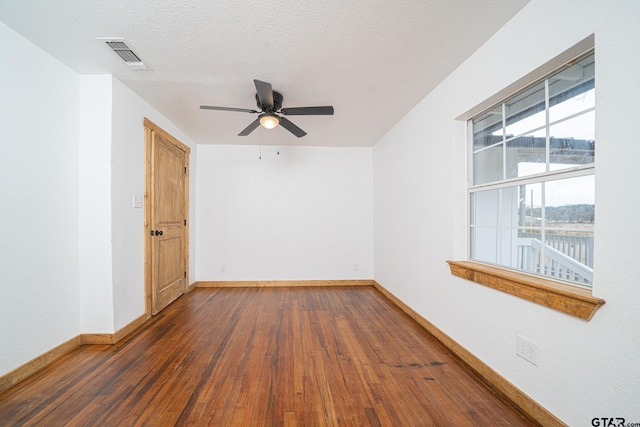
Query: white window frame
(543, 178)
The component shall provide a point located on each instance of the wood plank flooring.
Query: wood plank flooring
(307, 356)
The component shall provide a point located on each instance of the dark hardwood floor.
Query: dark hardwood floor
(306, 356)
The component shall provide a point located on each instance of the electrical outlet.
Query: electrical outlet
(526, 349)
(356, 267)
(223, 268)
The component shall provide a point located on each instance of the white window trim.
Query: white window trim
(570, 299)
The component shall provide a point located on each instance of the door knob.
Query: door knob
(158, 232)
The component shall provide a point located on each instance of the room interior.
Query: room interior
(376, 192)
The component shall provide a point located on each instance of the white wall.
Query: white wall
(305, 214)
(39, 296)
(94, 199)
(127, 169)
(111, 229)
(71, 252)
(586, 369)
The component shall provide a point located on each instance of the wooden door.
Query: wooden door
(167, 231)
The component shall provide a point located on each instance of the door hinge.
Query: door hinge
(185, 170)
(185, 274)
(185, 222)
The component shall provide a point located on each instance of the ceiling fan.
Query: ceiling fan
(270, 104)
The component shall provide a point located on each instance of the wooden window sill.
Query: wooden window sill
(565, 298)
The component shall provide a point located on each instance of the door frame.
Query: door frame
(150, 129)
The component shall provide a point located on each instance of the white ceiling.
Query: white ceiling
(372, 60)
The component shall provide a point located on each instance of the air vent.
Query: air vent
(128, 56)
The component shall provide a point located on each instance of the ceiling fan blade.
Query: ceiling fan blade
(240, 110)
(308, 111)
(288, 125)
(254, 124)
(265, 92)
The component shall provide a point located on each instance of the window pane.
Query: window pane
(530, 206)
(526, 111)
(569, 256)
(572, 142)
(578, 245)
(487, 128)
(529, 253)
(487, 165)
(484, 244)
(526, 155)
(484, 208)
(516, 211)
(576, 104)
(569, 214)
(509, 213)
(570, 203)
(572, 90)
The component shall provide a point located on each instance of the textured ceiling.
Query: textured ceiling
(372, 60)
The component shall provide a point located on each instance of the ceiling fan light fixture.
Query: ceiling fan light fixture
(269, 120)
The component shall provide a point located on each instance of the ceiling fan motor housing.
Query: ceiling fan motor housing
(277, 103)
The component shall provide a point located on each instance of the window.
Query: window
(532, 173)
